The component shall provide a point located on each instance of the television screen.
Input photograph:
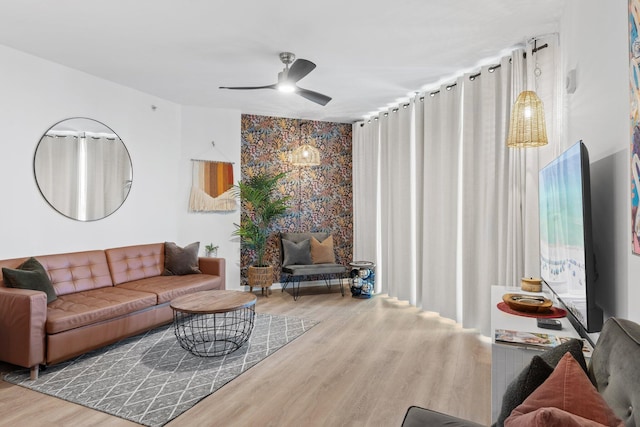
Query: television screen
(567, 264)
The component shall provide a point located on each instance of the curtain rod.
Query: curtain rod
(82, 135)
(211, 161)
(472, 77)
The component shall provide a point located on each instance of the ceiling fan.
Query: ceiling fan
(288, 78)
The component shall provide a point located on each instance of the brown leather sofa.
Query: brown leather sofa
(102, 297)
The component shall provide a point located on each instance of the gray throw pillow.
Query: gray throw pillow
(180, 261)
(296, 253)
(535, 374)
(30, 275)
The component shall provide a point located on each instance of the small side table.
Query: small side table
(363, 277)
(213, 323)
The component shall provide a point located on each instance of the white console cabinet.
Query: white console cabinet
(507, 361)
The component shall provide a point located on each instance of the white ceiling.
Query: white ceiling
(369, 53)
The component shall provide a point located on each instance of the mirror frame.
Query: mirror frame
(107, 129)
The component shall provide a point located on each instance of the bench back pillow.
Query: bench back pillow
(322, 252)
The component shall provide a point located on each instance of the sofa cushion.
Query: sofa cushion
(180, 261)
(322, 252)
(297, 253)
(30, 275)
(533, 375)
(136, 262)
(569, 389)
(95, 305)
(77, 271)
(166, 288)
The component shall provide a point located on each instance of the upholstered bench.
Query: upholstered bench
(308, 254)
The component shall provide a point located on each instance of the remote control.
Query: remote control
(549, 324)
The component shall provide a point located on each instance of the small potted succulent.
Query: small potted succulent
(211, 250)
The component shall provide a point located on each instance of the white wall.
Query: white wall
(593, 41)
(200, 127)
(35, 94)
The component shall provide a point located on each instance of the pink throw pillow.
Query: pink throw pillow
(566, 398)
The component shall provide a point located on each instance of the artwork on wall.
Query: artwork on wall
(634, 86)
(211, 187)
(321, 196)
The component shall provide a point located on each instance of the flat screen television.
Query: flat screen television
(567, 261)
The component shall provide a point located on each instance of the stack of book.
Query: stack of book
(535, 340)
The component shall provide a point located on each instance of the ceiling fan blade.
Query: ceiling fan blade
(248, 87)
(299, 69)
(316, 97)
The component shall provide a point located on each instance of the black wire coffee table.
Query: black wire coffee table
(213, 323)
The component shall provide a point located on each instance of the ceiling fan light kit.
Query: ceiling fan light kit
(294, 70)
(286, 87)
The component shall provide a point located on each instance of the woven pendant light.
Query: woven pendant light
(305, 155)
(527, 128)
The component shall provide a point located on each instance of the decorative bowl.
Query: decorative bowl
(527, 303)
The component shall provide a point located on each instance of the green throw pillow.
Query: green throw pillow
(30, 275)
(296, 253)
(180, 261)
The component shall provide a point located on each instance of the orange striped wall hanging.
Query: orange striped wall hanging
(211, 187)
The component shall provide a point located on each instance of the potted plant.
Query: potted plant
(211, 250)
(260, 207)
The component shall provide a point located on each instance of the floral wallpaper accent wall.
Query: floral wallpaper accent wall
(321, 196)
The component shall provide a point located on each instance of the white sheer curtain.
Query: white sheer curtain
(83, 177)
(57, 164)
(458, 209)
(398, 203)
(366, 140)
(485, 162)
(439, 201)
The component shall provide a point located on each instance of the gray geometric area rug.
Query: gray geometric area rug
(149, 379)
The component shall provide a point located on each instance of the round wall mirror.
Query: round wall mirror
(83, 169)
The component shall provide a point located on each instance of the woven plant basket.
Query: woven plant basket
(260, 277)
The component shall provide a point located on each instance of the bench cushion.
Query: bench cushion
(308, 270)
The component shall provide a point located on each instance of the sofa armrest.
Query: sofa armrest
(421, 417)
(215, 267)
(23, 314)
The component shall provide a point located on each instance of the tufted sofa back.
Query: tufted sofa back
(615, 371)
(71, 272)
(135, 262)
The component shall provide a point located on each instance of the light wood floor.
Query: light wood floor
(364, 364)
